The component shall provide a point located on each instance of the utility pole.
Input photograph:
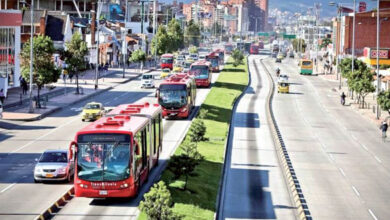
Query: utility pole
(155, 28)
(124, 44)
(98, 9)
(353, 36)
(378, 81)
(31, 109)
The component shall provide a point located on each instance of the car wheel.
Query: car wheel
(83, 119)
(36, 181)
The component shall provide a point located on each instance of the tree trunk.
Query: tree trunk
(77, 83)
(38, 98)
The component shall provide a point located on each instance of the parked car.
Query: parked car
(147, 80)
(54, 165)
(92, 111)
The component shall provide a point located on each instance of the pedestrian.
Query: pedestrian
(383, 128)
(2, 96)
(24, 86)
(331, 69)
(343, 98)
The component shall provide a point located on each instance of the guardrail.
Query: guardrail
(53, 209)
(291, 179)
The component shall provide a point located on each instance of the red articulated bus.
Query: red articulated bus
(177, 95)
(254, 49)
(114, 155)
(167, 61)
(201, 70)
(213, 58)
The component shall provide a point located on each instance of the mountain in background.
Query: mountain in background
(302, 5)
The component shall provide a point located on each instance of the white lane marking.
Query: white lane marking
(331, 157)
(364, 146)
(7, 188)
(342, 172)
(353, 136)
(372, 214)
(356, 191)
(377, 158)
(43, 136)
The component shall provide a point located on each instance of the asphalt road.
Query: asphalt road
(254, 187)
(23, 142)
(341, 161)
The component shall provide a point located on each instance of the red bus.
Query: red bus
(221, 55)
(261, 45)
(228, 48)
(254, 49)
(114, 155)
(176, 95)
(201, 70)
(167, 61)
(213, 58)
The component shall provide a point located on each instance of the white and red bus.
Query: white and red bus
(177, 95)
(213, 58)
(167, 61)
(201, 70)
(114, 155)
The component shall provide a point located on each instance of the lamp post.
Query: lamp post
(31, 109)
(378, 81)
(353, 36)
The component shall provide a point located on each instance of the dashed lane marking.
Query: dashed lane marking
(356, 191)
(342, 172)
(7, 188)
(372, 214)
(377, 158)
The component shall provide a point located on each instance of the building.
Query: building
(10, 26)
(263, 20)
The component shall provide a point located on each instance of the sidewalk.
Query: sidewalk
(63, 95)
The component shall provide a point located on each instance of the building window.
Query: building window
(7, 54)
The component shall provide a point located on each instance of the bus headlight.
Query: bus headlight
(124, 185)
(83, 186)
(183, 109)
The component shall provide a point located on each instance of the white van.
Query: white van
(147, 80)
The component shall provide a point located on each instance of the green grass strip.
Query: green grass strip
(199, 200)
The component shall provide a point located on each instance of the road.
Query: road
(23, 142)
(341, 162)
(254, 187)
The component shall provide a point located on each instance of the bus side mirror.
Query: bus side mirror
(72, 150)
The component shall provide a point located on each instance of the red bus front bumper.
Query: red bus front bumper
(166, 66)
(105, 189)
(202, 82)
(215, 69)
(176, 113)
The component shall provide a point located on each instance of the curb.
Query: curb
(53, 209)
(221, 191)
(39, 117)
(290, 177)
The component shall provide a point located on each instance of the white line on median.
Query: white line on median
(356, 191)
(372, 214)
(342, 172)
(7, 188)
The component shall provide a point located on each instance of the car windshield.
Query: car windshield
(54, 157)
(104, 161)
(147, 77)
(173, 96)
(167, 60)
(200, 72)
(92, 106)
(306, 63)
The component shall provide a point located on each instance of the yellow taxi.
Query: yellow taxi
(165, 72)
(283, 87)
(178, 69)
(92, 111)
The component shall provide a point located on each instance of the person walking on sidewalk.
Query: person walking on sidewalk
(2, 96)
(343, 98)
(383, 128)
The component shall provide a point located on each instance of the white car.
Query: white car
(283, 78)
(54, 165)
(202, 57)
(147, 80)
(194, 56)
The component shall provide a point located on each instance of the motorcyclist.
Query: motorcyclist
(277, 71)
(343, 98)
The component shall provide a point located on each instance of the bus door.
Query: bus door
(142, 153)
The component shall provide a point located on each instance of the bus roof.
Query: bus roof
(167, 55)
(123, 119)
(201, 63)
(213, 54)
(180, 78)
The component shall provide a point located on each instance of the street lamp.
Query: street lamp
(31, 109)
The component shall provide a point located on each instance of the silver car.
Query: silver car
(54, 165)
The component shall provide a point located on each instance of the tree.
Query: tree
(161, 41)
(197, 131)
(44, 70)
(192, 34)
(298, 44)
(383, 101)
(176, 36)
(186, 162)
(74, 56)
(158, 202)
(325, 42)
(138, 56)
(237, 57)
(193, 49)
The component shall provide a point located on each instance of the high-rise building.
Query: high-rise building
(263, 5)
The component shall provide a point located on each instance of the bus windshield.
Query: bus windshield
(167, 60)
(213, 61)
(99, 160)
(200, 72)
(306, 63)
(173, 96)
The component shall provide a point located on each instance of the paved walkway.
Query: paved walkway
(63, 93)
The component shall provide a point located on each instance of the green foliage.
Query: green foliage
(325, 42)
(192, 34)
(202, 113)
(238, 57)
(168, 39)
(384, 100)
(384, 67)
(74, 56)
(197, 130)
(193, 49)
(298, 44)
(44, 70)
(157, 203)
(138, 56)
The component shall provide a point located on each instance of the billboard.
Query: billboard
(362, 6)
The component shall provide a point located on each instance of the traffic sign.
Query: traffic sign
(289, 36)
